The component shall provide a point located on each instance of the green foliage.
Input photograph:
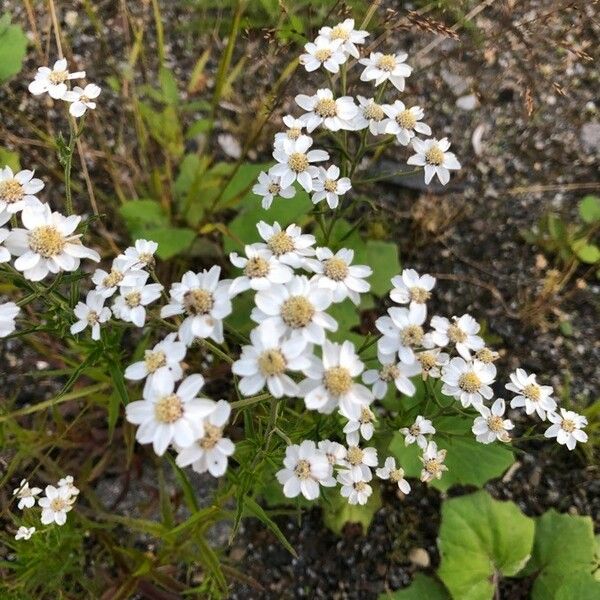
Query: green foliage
(10, 159)
(480, 539)
(337, 512)
(421, 588)
(13, 47)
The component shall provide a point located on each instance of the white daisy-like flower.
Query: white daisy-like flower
(323, 52)
(122, 273)
(211, 452)
(204, 299)
(323, 109)
(355, 486)
(82, 99)
(48, 243)
(530, 395)
(294, 162)
(69, 483)
(296, 308)
(8, 314)
(289, 246)
(336, 272)
(55, 505)
(53, 81)
(432, 362)
(26, 494)
(492, 425)
(141, 254)
(335, 453)
(330, 381)
(359, 426)
(166, 416)
(567, 428)
(261, 270)
(469, 381)
(329, 186)
(402, 331)
(91, 313)
(130, 304)
(18, 190)
(369, 114)
(163, 360)
(267, 361)
(412, 288)
(269, 186)
(394, 474)
(460, 332)
(386, 67)
(305, 468)
(391, 371)
(433, 462)
(404, 122)
(487, 356)
(345, 32)
(24, 533)
(293, 131)
(417, 432)
(433, 155)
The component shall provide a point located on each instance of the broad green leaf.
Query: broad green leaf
(422, 587)
(165, 127)
(142, 214)
(10, 159)
(587, 253)
(347, 316)
(383, 257)
(13, 48)
(564, 544)
(338, 512)
(579, 586)
(242, 181)
(481, 538)
(171, 240)
(589, 209)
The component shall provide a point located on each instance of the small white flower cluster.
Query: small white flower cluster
(57, 501)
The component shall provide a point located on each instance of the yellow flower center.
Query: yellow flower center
(302, 469)
(433, 466)
(212, 434)
(11, 190)
(336, 269)
(168, 409)
(419, 295)
(298, 162)
(280, 243)
(532, 391)
(397, 475)
(330, 185)
(339, 32)
(434, 156)
(495, 423)
(257, 266)
(412, 335)
(46, 240)
(112, 279)
(297, 312)
(406, 119)
(326, 107)
(271, 362)
(294, 133)
(366, 415)
(92, 317)
(456, 334)
(355, 455)
(133, 299)
(486, 356)
(389, 372)
(198, 302)
(323, 54)
(414, 430)
(387, 62)
(469, 382)
(373, 111)
(428, 360)
(337, 380)
(274, 188)
(147, 258)
(568, 425)
(154, 360)
(360, 486)
(58, 76)
(58, 504)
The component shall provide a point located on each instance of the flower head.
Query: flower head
(386, 67)
(370, 114)
(294, 162)
(53, 81)
(26, 494)
(293, 131)
(417, 432)
(141, 254)
(492, 425)
(567, 428)
(269, 186)
(130, 304)
(18, 190)
(469, 381)
(433, 155)
(404, 122)
(460, 332)
(24, 533)
(394, 474)
(347, 35)
(123, 273)
(433, 462)
(289, 246)
(55, 505)
(323, 109)
(412, 288)
(323, 52)
(530, 395)
(355, 486)
(391, 371)
(402, 331)
(91, 313)
(82, 99)
(329, 186)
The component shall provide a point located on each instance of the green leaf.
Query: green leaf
(141, 214)
(347, 316)
(338, 512)
(479, 539)
(422, 587)
(171, 240)
(9, 159)
(383, 256)
(168, 86)
(564, 545)
(165, 127)
(589, 209)
(255, 510)
(587, 253)
(13, 48)
(241, 182)
(580, 586)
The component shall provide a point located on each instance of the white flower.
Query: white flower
(53, 80)
(402, 332)
(55, 505)
(334, 451)
(355, 486)
(269, 186)
(567, 428)
(18, 190)
(487, 356)
(433, 462)
(204, 299)
(91, 313)
(360, 460)
(336, 273)
(212, 451)
(431, 362)
(293, 132)
(26, 494)
(296, 308)
(47, 244)
(346, 33)
(289, 246)
(382, 67)
(325, 52)
(391, 370)
(82, 99)
(305, 468)
(68, 483)
(141, 254)
(358, 426)
(24, 533)
(164, 360)
(294, 162)
(323, 108)
(404, 122)
(261, 270)
(8, 314)
(461, 332)
(491, 425)
(410, 287)
(389, 471)
(417, 432)
(122, 273)
(434, 156)
(371, 115)
(267, 361)
(4, 233)
(534, 397)
(166, 416)
(330, 381)
(468, 382)
(131, 303)
(329, 186)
